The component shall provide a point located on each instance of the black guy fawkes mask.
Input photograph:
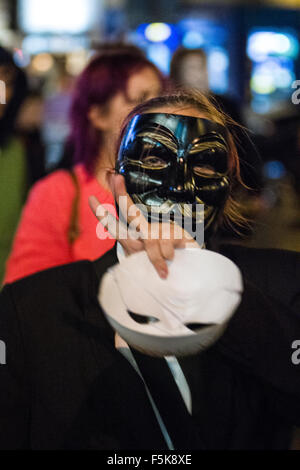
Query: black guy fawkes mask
(172, 164)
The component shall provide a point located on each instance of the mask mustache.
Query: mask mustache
(171, 210)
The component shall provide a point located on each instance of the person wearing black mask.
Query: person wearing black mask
(68, 381)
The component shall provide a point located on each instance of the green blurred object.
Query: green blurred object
(13, 189)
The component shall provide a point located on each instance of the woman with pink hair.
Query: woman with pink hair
(114, 82)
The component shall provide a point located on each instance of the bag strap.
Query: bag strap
(74, 231)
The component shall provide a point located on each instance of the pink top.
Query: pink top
(41, 240)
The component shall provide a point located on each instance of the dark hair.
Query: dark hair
(176, 63)
(206, 106)
(105, 76)
(20, 90)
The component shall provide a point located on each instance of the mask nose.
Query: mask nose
(179, 187)
(178, 193)
(180, 174)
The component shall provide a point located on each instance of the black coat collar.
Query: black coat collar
(103, 263)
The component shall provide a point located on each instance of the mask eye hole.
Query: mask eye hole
(153, 162)
(198, 326)
(142, 319)
(205, 171)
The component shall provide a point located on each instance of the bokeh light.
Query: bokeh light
(158, 32)
(192, 39)
(261, 44)
(274, 170)
(42, 63)
(57, 16)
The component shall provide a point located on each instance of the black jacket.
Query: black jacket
(64, 385)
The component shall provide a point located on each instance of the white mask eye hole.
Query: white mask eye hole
(142, 319)
(198, 326)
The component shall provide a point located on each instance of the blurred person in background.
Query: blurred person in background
(189, 70)
(14, 168)
(56, 125)
(115, 81)
(28, 125)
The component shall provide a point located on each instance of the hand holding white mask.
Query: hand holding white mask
(180, 315)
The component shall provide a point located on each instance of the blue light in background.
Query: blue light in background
(21, 59)
(159, 40)
(274, 170)
(218, 65)
(213, 33)
(261, 104)
(273, 52)
(37, 43)
(262, 44)
(212, 37)
(193, 40)
(160, 55)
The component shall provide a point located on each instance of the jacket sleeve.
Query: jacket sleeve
(262, 339)
(41, 240)
(14, 379)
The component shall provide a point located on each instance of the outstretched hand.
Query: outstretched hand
(140, 235)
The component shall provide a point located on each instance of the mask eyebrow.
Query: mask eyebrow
(206, 145)
(161, 138)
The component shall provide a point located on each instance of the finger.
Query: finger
(167, 249)
(119, 190)
(180, 236)
(173, 236)
(152, 248)
(193, 244)
(114, 226)
(132, 246)
(94, 203)
(130, 212)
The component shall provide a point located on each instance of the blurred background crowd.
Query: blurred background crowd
(246, 55)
